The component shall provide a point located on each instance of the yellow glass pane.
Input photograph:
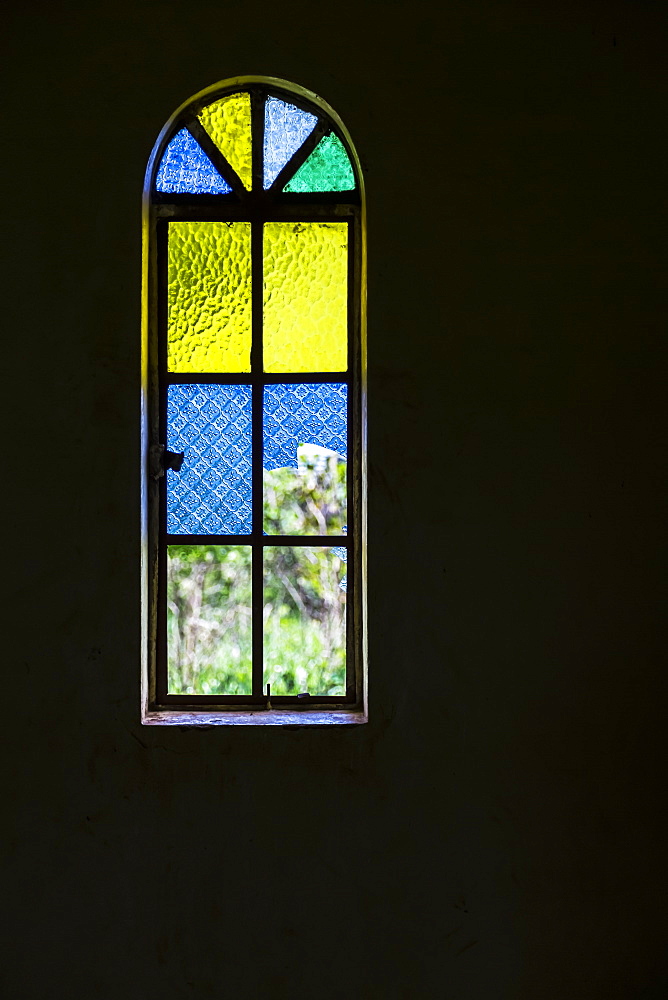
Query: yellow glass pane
(228, 122)
(305, 296)
(209, 297)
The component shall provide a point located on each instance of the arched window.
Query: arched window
(254, 413)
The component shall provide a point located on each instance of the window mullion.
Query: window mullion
(257, 447)
(257, 364)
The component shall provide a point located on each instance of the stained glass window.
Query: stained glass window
(254, 424)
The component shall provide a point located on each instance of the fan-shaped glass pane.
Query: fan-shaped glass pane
(228, 122)
(328, 168)
(285, 129)
(186, 169)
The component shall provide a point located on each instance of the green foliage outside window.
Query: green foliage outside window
(209, 617)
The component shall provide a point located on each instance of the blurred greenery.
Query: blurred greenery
(208, 633)
(309, 500)
(209, 616)
(304, 620)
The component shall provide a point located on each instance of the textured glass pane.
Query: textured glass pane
(327, 169)
(209, 619)
(305, 413)
(305, 621)
(228, 122)
(209, 297)
(186, 169)
(305, 447)
(285, 128)
(211, 494)
(305, 296)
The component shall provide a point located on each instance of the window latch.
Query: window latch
(160, 460)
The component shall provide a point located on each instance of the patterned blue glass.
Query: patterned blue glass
(305, 413)
(285, 128)
(186, 169)
(212, 492)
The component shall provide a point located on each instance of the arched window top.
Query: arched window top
(255, 138)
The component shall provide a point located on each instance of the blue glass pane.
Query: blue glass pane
(285, 128)
(186, 169)
(303, 414)
(342, 553)
(212, 492)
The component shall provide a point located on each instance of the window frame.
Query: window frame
(257, 207)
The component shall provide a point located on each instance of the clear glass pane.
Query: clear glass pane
(304, 621)
(209, 297)
(328, 168)
(185, 168)
(285, 128)
(309, 500)
(305, 296)
(211, 494)
(304, 460)
(228, 122)
(209, 619)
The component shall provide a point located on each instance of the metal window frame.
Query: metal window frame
(257, 207)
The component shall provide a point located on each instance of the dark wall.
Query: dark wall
(496, 830)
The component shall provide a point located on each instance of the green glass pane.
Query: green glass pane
(328, 168)
(228, 122)
(209, 297)
(304, 618)
(209, 619)
(305, 296)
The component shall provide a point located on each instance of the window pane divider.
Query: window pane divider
(265, 540)
(250, 378)
(257, 364)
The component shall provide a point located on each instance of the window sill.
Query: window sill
(273, 717)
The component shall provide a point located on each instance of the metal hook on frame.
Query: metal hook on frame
(160, 460)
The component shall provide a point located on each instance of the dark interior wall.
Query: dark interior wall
(496, 830)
